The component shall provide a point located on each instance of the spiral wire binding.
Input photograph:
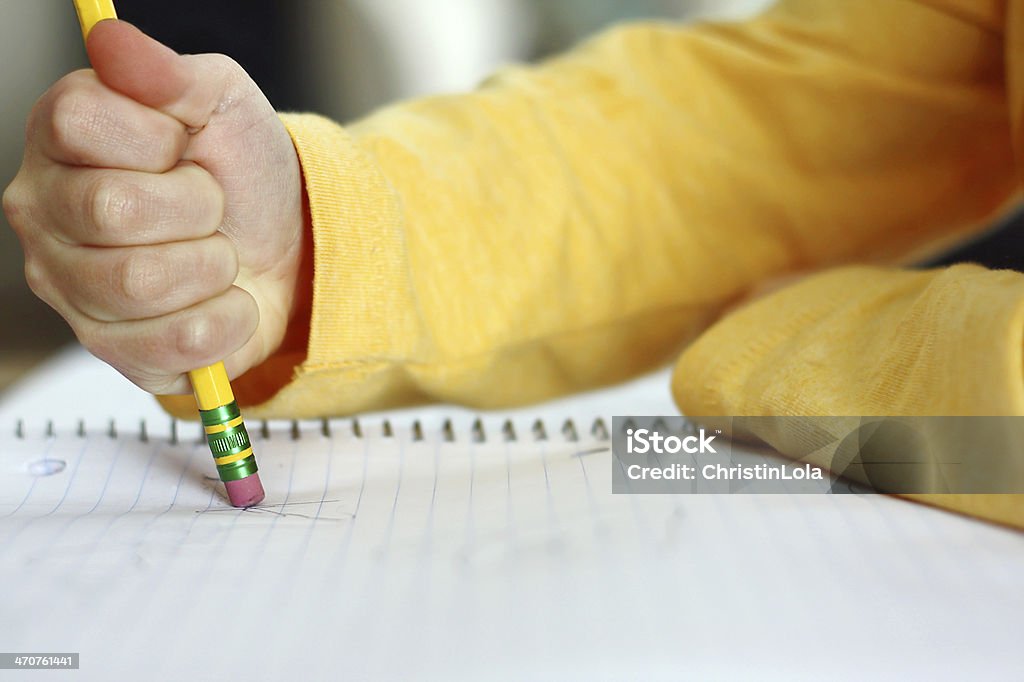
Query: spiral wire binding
(477, 432)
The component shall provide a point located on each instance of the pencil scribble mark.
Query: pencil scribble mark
(590, 451)
(278, 510)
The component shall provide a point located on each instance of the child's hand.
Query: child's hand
(159, 205)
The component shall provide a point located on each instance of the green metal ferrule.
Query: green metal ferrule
(230, 441)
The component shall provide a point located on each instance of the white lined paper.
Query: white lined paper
(396, 558)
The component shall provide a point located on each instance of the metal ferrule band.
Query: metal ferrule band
(220, 415)
(228, 459)
(236, 471)
(229, 441)
(217, 428)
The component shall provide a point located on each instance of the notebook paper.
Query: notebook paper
(479, 551)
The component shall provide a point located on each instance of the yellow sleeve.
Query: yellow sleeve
(863, 341)
(571, 224)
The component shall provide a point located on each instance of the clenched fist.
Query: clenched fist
(159, 206)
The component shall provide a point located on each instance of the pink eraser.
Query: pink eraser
(245, 492)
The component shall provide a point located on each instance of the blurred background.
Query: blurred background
(341, 58)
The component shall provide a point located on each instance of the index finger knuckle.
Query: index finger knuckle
(74, 120)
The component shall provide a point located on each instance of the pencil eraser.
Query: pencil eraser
(245, 492)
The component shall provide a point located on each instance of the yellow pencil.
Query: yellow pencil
(222, 420)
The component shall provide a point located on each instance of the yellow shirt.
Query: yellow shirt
(572, 224)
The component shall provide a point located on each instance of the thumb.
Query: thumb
(187, 88)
